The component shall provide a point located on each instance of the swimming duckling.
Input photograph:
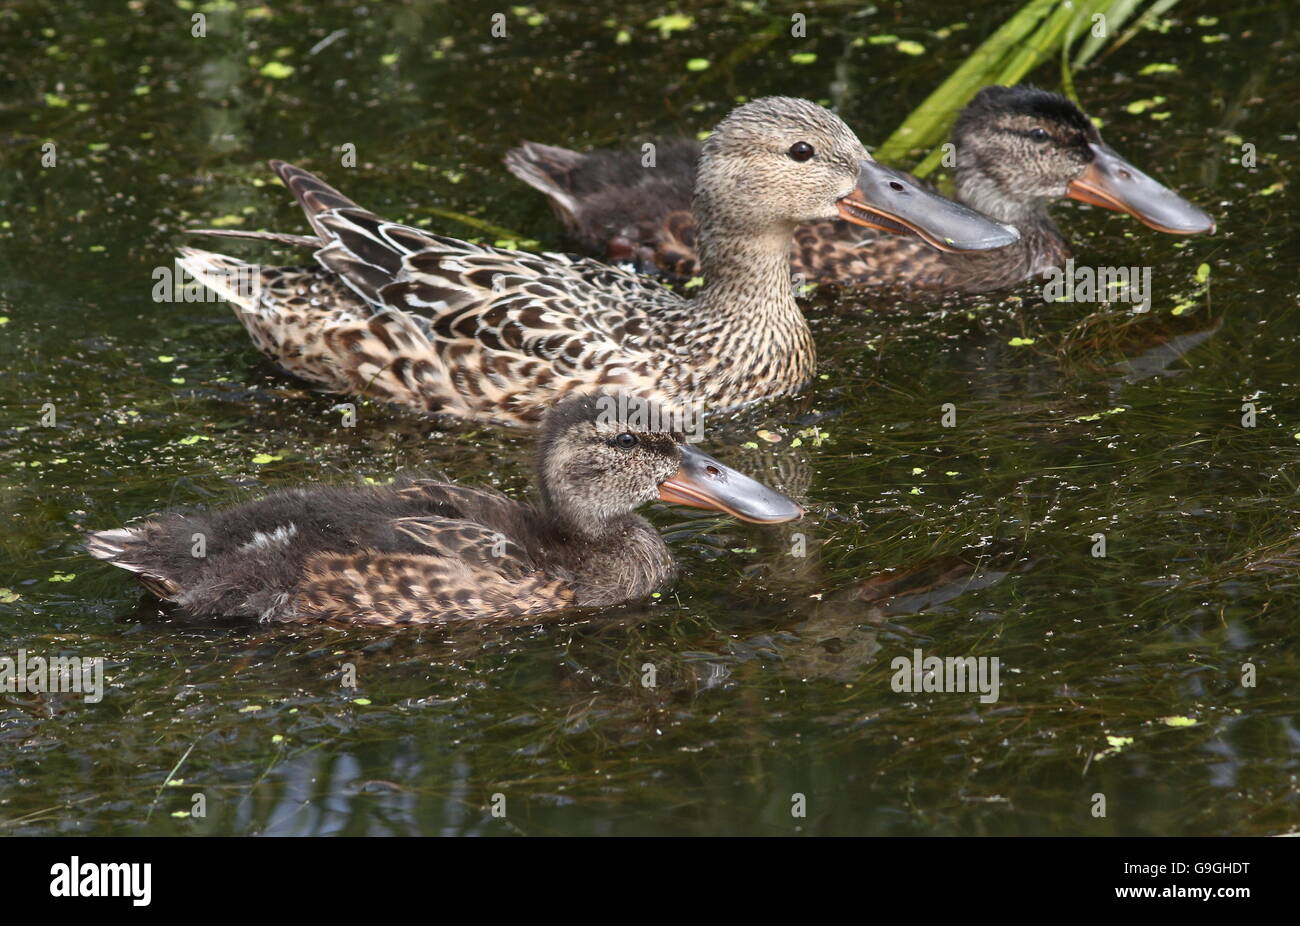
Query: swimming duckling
(422, 551)
(1018, 150)
(475, 332)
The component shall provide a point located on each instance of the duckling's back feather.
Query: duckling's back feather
(414, 552)
(613, 201)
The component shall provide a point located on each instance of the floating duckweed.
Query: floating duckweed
(276, 70)
(250, 708)
(885, 39)
(1021, 342)
(1117, 745)
(1202, 273)
(1177, 721)
(697, 64)
(1158, 68)
(1138, 107)
(63, 577)
(54, 101)
(803, 57)
(670, 23)
(263, 458)
(362, 701)
(908, 47)
(8, 596)
(224, 221)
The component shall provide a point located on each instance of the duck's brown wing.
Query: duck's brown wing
(448, 326)
(462, 571)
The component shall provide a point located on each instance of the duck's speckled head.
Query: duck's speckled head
(603, 456)
(778, 161)
(1018, 148)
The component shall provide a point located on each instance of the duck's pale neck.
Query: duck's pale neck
(747, 313)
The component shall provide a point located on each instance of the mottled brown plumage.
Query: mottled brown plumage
(422, 550)
(483, 333)
(1018, 149)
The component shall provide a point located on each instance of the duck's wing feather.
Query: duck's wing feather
(489, 323)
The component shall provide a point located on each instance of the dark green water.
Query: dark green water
(773, 671)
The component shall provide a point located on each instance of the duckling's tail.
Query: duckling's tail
(126, 548)
(549, 170)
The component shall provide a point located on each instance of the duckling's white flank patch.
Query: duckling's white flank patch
(265, 541)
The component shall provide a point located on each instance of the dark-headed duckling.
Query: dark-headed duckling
(423, 551)
(459, 329)
(1018, 150)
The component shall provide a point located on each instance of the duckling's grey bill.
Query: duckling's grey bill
(1113, 183)
(703, 482)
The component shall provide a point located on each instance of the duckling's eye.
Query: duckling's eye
(1039, 134)
(801, 151)
(626, 440)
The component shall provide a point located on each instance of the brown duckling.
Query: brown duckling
(459, 329)
(1018, 150)
(422, 551)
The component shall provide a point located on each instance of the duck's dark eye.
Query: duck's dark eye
(1039, 134)
(801, 151)
(626, 440)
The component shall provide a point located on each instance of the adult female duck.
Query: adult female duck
(1018, 149)
(425, 551)
(493, 335)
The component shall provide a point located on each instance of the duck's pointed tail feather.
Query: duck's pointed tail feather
(232, 279)
(298, 241)
(314, 195)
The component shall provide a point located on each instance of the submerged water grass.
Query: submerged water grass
(772, 672)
